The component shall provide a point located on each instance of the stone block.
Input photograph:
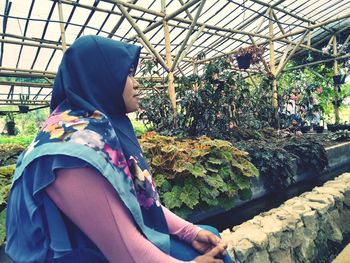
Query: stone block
(310, 220)
(344, 220)
(241, 250)
(306, 251)
(280, 256)
(259, 257)
(335, 192)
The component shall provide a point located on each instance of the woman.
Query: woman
(82, 191)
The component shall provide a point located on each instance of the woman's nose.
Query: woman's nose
(136, 84)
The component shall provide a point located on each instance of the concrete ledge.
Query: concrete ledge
(297, 231)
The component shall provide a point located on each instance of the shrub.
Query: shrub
(196, 174)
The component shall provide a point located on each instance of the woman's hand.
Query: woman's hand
(206, 241)
(210, 256)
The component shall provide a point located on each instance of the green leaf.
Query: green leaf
(215, 181)
(181, 166)
(214, 161)
(189, 195)
(245, 194)
(242, 182)
(198, 170)
(169, 148)
(172, 199)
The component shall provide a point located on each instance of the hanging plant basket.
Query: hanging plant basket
(243, 61)
(23, 108)
(10, 127)
(339, 79)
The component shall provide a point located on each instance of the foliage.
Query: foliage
(279, 159)
(2, 226)
(221, 101)
(196, 174)
(28, 123)
(311, 154)
(9, 153)
(339, 136)
(275, 164)
(22, 140)
(314, 81)
(139, 127)
(6, 173)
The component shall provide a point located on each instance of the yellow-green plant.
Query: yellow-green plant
(197, 174)
(6, 173)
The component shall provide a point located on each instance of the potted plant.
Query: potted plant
(23, 107)
(249, 55)
(10, 124)
(339, 79)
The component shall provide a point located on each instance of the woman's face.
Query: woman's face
(130, 94)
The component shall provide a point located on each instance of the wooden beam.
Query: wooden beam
(279, 70)
(17, 102)
(143, 37)
(187, 12)
(63, 35)
(29, 44)
(45, 41)
(171, 86)
(24, 75)
(263, 18)
(135, 7)
(28, 70)
(189, 33)
(336, 72)
(283, 58)
(195, 37)
(168, 17)
(29, 84)
(302, 30)
(272, 65)
(317, 62)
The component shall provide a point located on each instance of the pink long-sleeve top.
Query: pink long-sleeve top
(90, 201)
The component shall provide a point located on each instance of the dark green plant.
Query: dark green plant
(197, 174)
(339, 136)
(275, 164)
(211, 104)
(311, 154)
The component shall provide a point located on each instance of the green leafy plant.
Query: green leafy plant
(311, 154)
(197, 174)
(9, 153)
(339, 136)
(222, 101)
(6, 173)
(275, 164)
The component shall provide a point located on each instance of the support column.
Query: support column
(171, 87)
(336, 72)
(63, 35)
(273, 71)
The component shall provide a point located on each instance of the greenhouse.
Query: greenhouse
(238, 112)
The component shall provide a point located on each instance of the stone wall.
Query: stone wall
(300, 230)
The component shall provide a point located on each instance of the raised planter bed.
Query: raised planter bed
(262, 199)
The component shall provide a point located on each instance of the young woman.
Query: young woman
(82, 191)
